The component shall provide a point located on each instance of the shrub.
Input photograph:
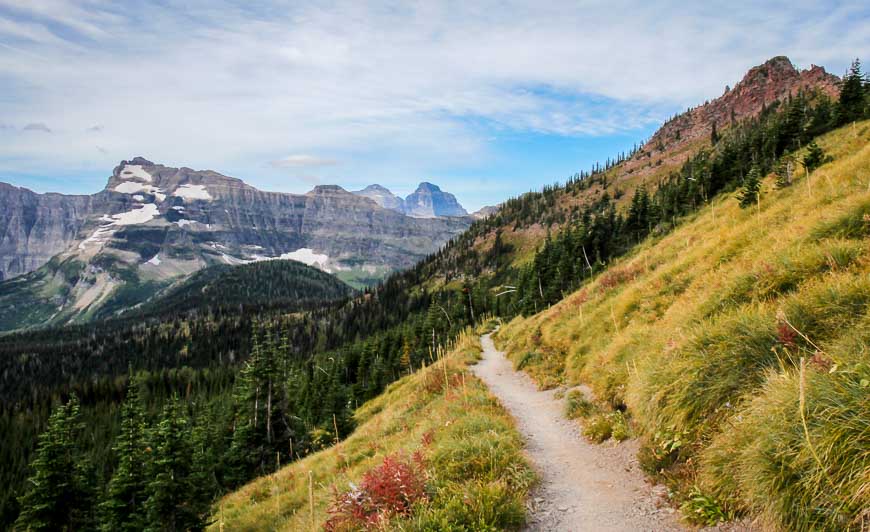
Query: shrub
(702, 509)
(598, 428)
(388, 490)
(576, 405)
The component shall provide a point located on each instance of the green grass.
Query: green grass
(477, 476)
(704, 344)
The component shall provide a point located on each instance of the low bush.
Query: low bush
(389, 490)
(577, 406)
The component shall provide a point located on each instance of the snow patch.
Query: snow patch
(139, 197)
(155, 260)
(303, 255)
(131, 187)
(192, 192)
(135, 171)
(182, 222)
(307, 256)
(134, 217)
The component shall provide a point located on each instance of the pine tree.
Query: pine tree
(170, 492)
(853, 96)
(714, 135)
(123, 508)
(814, 158)
(59, 495)
(749, 195)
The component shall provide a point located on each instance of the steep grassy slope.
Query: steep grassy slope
(474, 474)
(739, 344)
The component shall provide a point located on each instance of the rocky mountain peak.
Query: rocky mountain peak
(429, 201)
(761, 86)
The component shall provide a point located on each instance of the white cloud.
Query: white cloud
(302, 160)
(37, 126)
(221, 85)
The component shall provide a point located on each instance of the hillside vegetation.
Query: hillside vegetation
(435, 451)
(739, 345)
(287, 284)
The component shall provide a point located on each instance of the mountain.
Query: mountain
(154, 224)
(429, 201)
(383, 197)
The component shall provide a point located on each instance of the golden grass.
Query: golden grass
(474, 456)
(691, 340)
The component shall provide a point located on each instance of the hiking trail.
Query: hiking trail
(584, 487)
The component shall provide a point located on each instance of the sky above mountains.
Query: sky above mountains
(486, 99)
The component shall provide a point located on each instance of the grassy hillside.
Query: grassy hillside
(739, 345)
(461, 448)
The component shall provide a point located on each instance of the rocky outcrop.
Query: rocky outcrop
(429, 201)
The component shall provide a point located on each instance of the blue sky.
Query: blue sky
(488, 99)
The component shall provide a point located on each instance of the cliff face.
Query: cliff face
(34, 227)
(154, 224)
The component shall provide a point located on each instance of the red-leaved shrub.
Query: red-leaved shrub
(786, 335)
(390, 489)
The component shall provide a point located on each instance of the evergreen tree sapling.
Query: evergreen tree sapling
(814, 158)
(749, 194)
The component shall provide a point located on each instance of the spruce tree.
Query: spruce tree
(170, 491)
(853, 96)
(748, 196)
(814, 158)
(123, 508)
(60, 490)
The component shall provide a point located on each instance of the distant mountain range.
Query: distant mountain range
(428, 201)
(74, 256)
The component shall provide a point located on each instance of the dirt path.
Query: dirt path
(583, 486)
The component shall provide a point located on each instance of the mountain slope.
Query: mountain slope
(725, 335)
(523, 222)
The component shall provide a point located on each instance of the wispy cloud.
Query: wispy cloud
(416, 86)
(301, 161)
(37, 126)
